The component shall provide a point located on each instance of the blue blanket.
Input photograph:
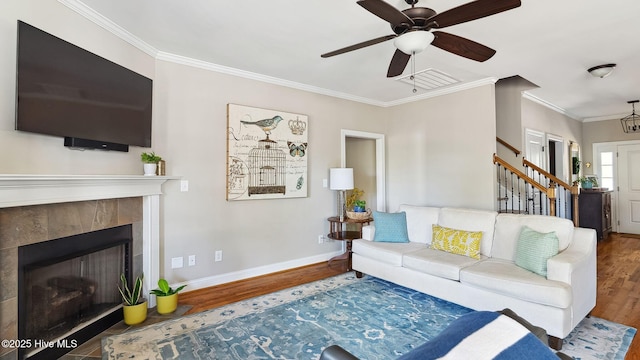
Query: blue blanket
(483, 335)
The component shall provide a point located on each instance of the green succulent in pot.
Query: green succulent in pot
(131, 297)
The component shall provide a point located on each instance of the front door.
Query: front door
(629, 189)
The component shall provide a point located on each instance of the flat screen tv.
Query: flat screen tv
(64, 90)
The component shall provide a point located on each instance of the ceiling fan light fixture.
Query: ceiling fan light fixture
(602, 71)
(413, 42)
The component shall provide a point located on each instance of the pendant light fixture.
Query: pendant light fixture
(631, 123)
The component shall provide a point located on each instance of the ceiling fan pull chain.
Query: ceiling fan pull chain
(413, 71)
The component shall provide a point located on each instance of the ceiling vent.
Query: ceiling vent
(429, 79)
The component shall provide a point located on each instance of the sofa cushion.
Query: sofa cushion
(509, 226)
(390, 227)
(419, 221)
(471, 220)
(385, 252)
(505, 277)
(437, 263)
(534, 249)
(460, 242)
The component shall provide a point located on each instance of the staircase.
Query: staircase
(533, 190)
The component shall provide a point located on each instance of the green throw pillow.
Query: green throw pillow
(534, 249)
(390, 227)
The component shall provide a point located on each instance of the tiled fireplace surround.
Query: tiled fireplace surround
(37, 208)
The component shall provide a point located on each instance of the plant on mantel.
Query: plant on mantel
(150, 158)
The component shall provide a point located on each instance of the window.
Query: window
(606, 170)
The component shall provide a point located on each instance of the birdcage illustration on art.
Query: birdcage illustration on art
(267, 169)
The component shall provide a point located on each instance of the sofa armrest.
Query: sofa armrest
(577, 258)
(368, 231)
(576, 266)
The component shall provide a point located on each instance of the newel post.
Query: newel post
(551, 194)
(575, 191)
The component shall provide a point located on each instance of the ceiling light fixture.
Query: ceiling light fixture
(413, 42)
(631, 123)
(602, 70)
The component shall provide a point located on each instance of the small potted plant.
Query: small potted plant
(166, 297)
(356, 207)
(359, 206)
(150, 163)
(134, 307)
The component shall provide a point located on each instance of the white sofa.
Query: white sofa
(556, 303)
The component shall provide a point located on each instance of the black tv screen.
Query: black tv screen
(66, 91)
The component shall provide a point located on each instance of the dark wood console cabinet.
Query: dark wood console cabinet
(595, 211)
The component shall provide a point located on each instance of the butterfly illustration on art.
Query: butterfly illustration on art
(297, 150)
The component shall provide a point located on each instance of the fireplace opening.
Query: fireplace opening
(67, 289)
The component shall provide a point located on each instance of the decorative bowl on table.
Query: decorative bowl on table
(359, 215)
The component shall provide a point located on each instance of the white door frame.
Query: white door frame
(380, 161)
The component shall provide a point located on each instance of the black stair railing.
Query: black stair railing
(566, 202)
(519, 193)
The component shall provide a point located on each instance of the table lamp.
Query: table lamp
(341, 180)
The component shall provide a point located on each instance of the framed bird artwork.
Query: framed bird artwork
(267, 153)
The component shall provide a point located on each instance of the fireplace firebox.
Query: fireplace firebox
(67, 289)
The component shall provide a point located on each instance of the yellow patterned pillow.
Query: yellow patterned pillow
(459, 242)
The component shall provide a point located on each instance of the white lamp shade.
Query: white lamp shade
(341, 178)
(413, 42)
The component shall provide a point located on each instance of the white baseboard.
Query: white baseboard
(253, 272)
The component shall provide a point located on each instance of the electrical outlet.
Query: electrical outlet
(177, 262)
(320, 239)
(192, 260)
(218, 256)
(184, 185)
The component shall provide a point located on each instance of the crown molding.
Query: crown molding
(443, 91)
(97, 18)
(183, 60)
(537, 100)
(92, 15)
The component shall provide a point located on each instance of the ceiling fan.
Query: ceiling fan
(412, 27)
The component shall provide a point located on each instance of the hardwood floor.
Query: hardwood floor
(618, 285)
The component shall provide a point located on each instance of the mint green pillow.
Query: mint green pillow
(390, 227)
(534, 249)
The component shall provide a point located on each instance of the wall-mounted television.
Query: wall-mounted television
(64, 90)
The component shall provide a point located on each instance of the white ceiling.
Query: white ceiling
(551, 43)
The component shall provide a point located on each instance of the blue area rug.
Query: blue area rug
(371, 318)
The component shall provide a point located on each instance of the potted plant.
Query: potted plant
(150, 163)
(359, 206)
(588, 182)
(166, 297)
(356, 207)
(134, 307)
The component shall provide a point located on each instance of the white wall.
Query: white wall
(438, 152)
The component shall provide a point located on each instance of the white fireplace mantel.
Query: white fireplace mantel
(26, 190)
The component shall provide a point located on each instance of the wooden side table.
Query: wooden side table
(337, 231)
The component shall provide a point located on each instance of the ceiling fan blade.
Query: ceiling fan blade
(399, 61)
(461, 46)
(386, 12)
(359, 45)
(472, 11)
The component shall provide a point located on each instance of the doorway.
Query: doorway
(614, 166)
(365, 153)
